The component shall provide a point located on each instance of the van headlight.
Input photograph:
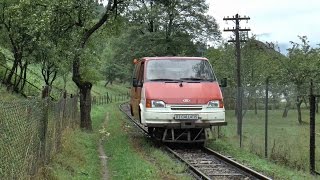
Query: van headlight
(215, 104)
(155, 104)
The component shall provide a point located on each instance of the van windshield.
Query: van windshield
(179, 70)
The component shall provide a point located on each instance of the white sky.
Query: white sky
(272, 20)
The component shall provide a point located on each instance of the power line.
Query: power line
(237, 31)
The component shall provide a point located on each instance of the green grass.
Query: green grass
(275, 171)
(7, 96)
(132, 156)
(79, 157)
(99, 89)
(288, 143)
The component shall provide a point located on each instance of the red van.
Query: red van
(176, 97)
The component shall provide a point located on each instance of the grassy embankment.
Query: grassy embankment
(288, 144)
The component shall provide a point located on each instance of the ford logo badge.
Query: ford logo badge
(186, 100)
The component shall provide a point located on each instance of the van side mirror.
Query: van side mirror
(136, 83)
(223, 82)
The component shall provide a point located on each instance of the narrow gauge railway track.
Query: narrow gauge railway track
(203, 162)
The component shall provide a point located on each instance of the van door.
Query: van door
(137, 90)
(133, 89)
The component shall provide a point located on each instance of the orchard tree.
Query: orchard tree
(78, 22)
(84, 35)
(172, 24)
(22, 22)
(300, 66)
(256, 57)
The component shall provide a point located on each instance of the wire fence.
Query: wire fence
(284, 137)
(30, 132)
(109, 98)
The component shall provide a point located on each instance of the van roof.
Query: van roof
(172, 58)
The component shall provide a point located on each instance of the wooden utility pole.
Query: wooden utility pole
(237, 31)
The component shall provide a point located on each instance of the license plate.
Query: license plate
(186, 116)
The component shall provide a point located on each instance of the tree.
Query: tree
(84, 85)
(256, 57)
(173, 24)
(300, 66)
(22, 24)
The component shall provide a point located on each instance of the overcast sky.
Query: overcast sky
(272, 20)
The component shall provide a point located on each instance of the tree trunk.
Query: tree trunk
(287, 107)
(255, 106)
(285, 112)
(85, 94)
(17, 60)
(45, 92)
(305, 102)
(24, 80)
(169, 33)
(299, 102)
(11, 72)
(317, 105)
(105, 85)
(85, 86)
(85, 105)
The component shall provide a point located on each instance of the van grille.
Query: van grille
(186, 108)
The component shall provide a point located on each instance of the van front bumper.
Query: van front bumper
(164, 117)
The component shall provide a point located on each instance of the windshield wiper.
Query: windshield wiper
(172, 80)
(196, 79)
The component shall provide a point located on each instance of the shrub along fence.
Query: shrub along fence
(30, 132)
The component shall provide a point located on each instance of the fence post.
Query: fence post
(107, 98)
(44, 128)
(312, 129)
(266, 119)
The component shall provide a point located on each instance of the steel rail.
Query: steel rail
(199, 174)
(197, 171)
(239, 166)
(133, 121)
